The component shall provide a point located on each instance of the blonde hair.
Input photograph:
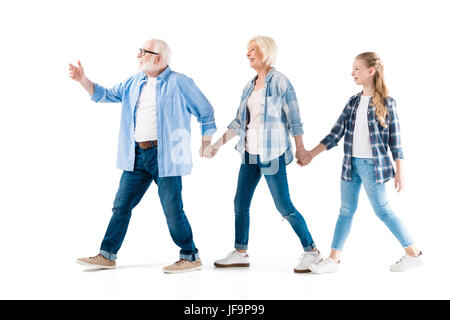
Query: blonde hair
(381, 92)
(268, 48)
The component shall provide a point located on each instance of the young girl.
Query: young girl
(370, 125)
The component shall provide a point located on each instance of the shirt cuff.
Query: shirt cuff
(235, 126)
(208, 128)
(397, 154)
(99, 93)
(297, 130)
(328, 143)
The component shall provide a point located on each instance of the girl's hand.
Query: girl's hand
(303, 157)
(399, 180)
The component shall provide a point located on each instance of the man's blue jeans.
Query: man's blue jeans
(363, 173)
(133, 185)
(275, 174)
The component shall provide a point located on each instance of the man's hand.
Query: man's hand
(207, 150)
(210, 151)
(76, 73)
(303, 157)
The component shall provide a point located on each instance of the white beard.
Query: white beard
(146, 67)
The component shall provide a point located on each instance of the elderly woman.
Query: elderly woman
(267, 114)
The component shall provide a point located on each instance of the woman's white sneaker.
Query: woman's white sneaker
(233, 260)
(407, 262)
(306, 259)
(327, 265)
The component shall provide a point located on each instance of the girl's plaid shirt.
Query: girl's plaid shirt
(381, 138)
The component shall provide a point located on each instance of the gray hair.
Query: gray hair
(268, 48)
(163, 49)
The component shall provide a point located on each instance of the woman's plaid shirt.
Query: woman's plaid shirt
(380, 137)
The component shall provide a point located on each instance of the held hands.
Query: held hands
(303, 157)
(208, 150)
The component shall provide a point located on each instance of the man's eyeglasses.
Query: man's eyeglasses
(142, 52)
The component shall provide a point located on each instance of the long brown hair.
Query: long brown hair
(381, 92)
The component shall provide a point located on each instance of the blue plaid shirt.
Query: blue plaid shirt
(381, 138)
(280, 116)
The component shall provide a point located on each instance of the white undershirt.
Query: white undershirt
(145, 128)
(362, 148)
(254, 104)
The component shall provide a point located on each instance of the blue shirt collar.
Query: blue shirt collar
(268, 77)
(163, 75)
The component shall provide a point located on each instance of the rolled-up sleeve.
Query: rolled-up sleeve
(292, 111)
(338, 130)
(103, 95)
(395, 144)
(199, 106)
(235, 125)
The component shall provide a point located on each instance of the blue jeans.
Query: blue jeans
(133, 185)
(275, 174)
(363, 173)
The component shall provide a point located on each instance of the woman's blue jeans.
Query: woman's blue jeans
(363, 173)
(275, 174)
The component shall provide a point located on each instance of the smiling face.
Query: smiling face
(148, 62)
(362, 74)
(255, 56)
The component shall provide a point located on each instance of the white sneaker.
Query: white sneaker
(407, 262)
(307, 259)
(325, 266)
(233, 259)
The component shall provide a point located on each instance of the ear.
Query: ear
(158, 59)
(372, 71)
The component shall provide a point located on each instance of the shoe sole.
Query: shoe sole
(302, 271)
(233, 265)
(182, 271)
(90, 265)
(404, 270)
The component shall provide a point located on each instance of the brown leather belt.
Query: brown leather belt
(148, 144)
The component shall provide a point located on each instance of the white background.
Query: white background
(58, 148)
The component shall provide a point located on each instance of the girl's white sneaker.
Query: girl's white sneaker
(407, 262)
(327, 265)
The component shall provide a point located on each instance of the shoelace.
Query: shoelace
(181, 261)
(95, 257)
(401, 260)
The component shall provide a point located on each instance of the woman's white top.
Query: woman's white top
(254, 105)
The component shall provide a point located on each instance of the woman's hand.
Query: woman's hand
(303, 157)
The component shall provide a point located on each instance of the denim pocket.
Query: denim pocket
(370, 162)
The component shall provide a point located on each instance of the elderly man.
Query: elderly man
(154, 145)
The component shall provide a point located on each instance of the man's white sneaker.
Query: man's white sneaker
(233, 260)
(307, 259)
(325, 266)
(407, 262)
